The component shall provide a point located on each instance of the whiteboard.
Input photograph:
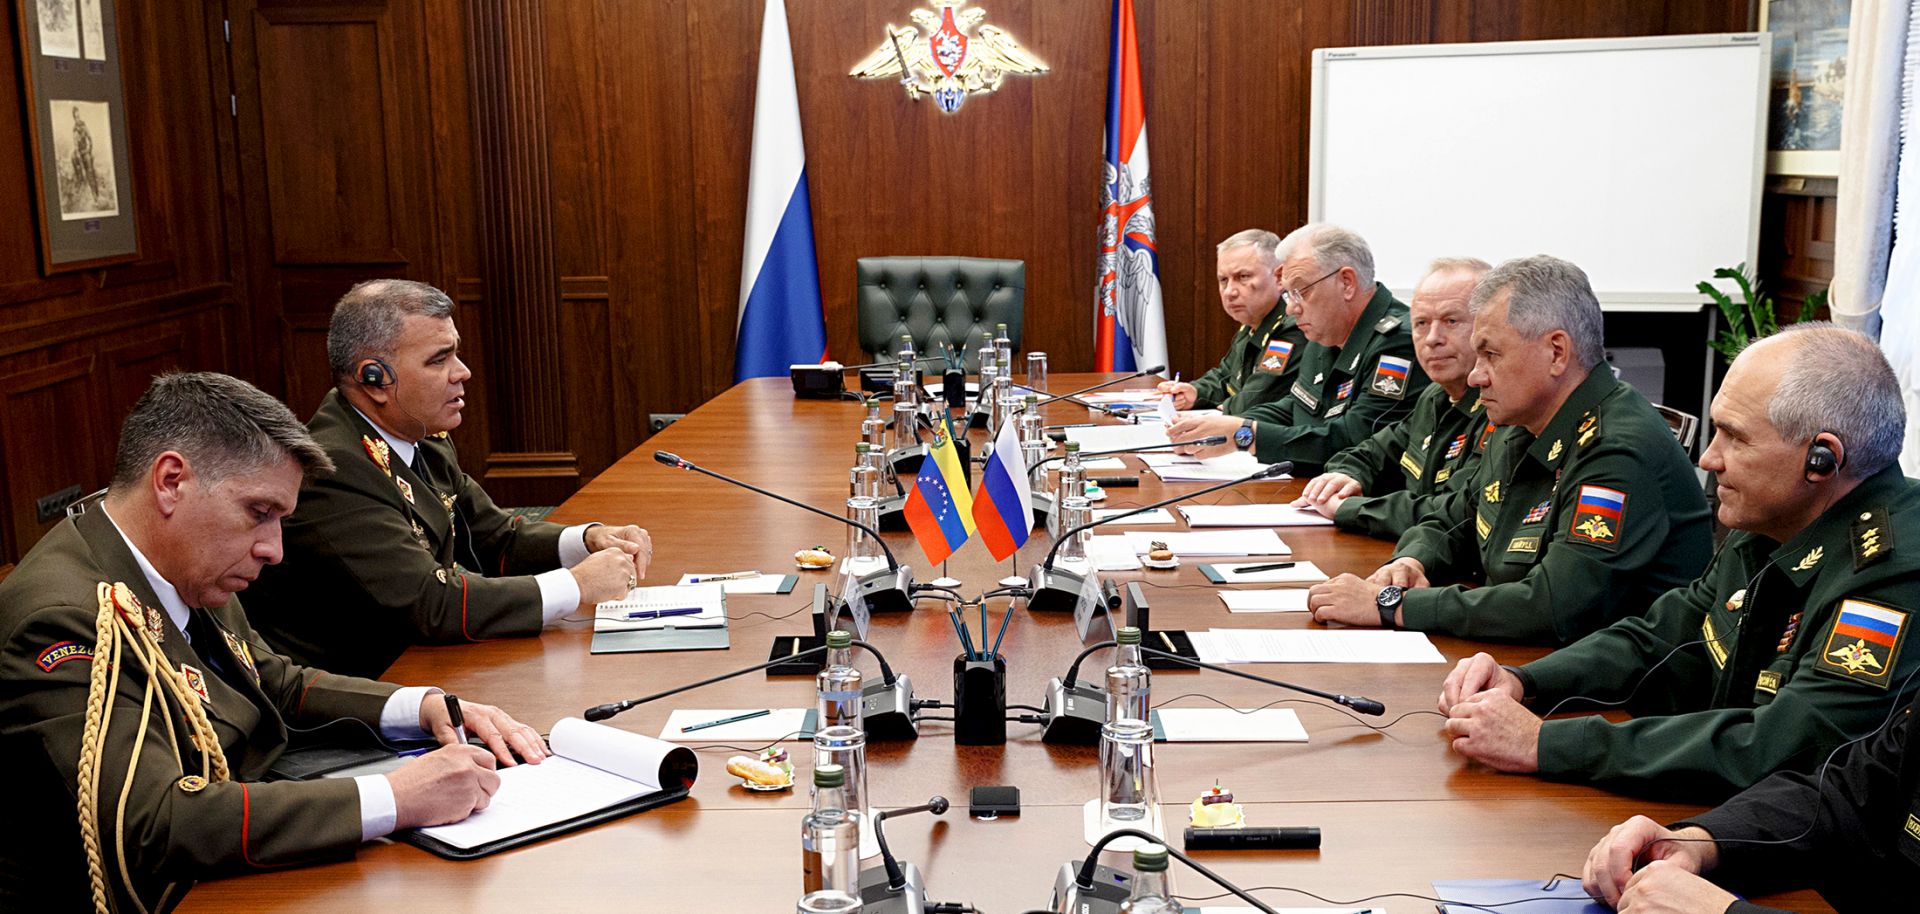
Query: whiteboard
(1640, 159)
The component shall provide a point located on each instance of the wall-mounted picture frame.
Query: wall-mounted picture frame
(77, 126)
(1809, 76)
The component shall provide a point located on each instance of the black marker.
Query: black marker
(459, 721)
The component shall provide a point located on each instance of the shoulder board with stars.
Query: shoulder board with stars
(1872, 538)
(1589, 429)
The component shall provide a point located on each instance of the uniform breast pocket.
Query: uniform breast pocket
(1523, 548)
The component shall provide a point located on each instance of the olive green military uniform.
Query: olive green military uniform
(177, 830)
(1784, 651)
(381, 555)
(1585, 524)
(1405, 468)
(1258, 367)
(1343, 393)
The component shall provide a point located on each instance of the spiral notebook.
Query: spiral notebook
(664, 622)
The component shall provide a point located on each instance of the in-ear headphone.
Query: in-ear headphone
(376, 373)
(1821, 459)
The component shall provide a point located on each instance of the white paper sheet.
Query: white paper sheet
(1143, 519)
(1215, 469)
(1253, 515)
(1112, 437)
(783, 723)
(1300, 573)
(710, 599)
(1265, 601)
(1099, 464)
(1263, 645)
(760, 583)
(1129, 395)
(593, 766)
(1226, 725)
(1212, 542)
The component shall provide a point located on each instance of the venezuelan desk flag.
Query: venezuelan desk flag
(1129, 324)
(781, 319)
(939, 510)
(1003, 509)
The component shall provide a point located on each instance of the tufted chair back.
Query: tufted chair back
(938, 300)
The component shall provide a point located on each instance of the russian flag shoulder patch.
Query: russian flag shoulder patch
(1864, 642)
(1599, 516)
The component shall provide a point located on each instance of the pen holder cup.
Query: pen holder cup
(980, 701)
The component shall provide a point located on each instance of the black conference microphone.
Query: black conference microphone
(1075, 710)
(1058, 590)
(890, 590)
(893, 887)
(1043, 501)
(877, 703)
(1086, 887)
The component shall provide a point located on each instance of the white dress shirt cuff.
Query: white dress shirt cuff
(378, 812)
(573, 545)
(400, 719)
(559, 594)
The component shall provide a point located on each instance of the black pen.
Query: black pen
(459, 721)
(1256, 569)
(724, 720)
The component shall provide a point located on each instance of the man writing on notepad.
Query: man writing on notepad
(1388, 482)
(133, 690)
(399, 546)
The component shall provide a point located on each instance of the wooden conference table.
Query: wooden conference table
(1396, 807)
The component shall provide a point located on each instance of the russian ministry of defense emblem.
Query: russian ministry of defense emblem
(940, 58)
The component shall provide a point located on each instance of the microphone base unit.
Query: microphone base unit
(817, 382)
(1074, 715)
(887, 591)
(893, 515)
(1111, 888)
(1056, 589)
(906, 461)
(877, 897)
(887, 711)
(1042, 510)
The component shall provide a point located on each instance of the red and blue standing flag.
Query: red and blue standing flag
(1003, 508)
(1129, 321)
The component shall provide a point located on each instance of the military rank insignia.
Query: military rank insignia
(1589, 427)
(1278, 353)
(1390, 377)
(1872, 538)
(1598, 514)
(1863, 642)
(380, 452)
(1538, 512)
(1459, 444)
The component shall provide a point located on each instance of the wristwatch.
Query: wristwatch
(1243, 436)
(1389, 603)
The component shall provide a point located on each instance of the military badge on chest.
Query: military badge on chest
(1598, 515)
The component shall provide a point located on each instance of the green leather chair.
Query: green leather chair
(938, 301)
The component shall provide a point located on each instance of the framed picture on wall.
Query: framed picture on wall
(1809, 76)
(77, 124)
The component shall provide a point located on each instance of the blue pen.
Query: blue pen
(410, 753)
(662, 613)
(730, 576)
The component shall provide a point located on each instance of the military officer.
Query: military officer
(1584, 508)
(1793, 639)
(1358, 371)
(1260, 364)
(1852, 832)
(399, 546)
(135, 691)
(1388, 482)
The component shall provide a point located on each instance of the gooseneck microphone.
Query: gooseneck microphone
(877, 700)
(896, 880)
(676, 461)
(1073, 396)
(1058, 590)
(1209, 441)
(1358, 703)
(886, 590)
(1089, 888)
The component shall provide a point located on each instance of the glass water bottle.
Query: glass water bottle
(840, 734)
(1151, 893)
(1126, 740)
(1072, 483)
(830, 843)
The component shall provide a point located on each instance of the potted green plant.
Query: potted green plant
(1754, 314)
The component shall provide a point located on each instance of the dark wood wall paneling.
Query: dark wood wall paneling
(76, 349)
(574, 173)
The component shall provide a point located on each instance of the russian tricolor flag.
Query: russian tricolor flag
(1869, 623)
(781, 320)
(1003, 508)
(1393, 367)
(1603, 501)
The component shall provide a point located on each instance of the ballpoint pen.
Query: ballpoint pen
(725, 720)
(640, 614)
(1256, 569)
(730, 576)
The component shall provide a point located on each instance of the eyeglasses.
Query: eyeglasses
(1294, 296)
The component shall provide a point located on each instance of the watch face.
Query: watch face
(1243, 436)
(1389, 595)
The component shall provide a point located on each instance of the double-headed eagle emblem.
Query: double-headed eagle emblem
(940, 58)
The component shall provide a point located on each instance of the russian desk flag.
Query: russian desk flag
(1129, 324)
(1003, 508)
(781, 319)
(938, 508)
